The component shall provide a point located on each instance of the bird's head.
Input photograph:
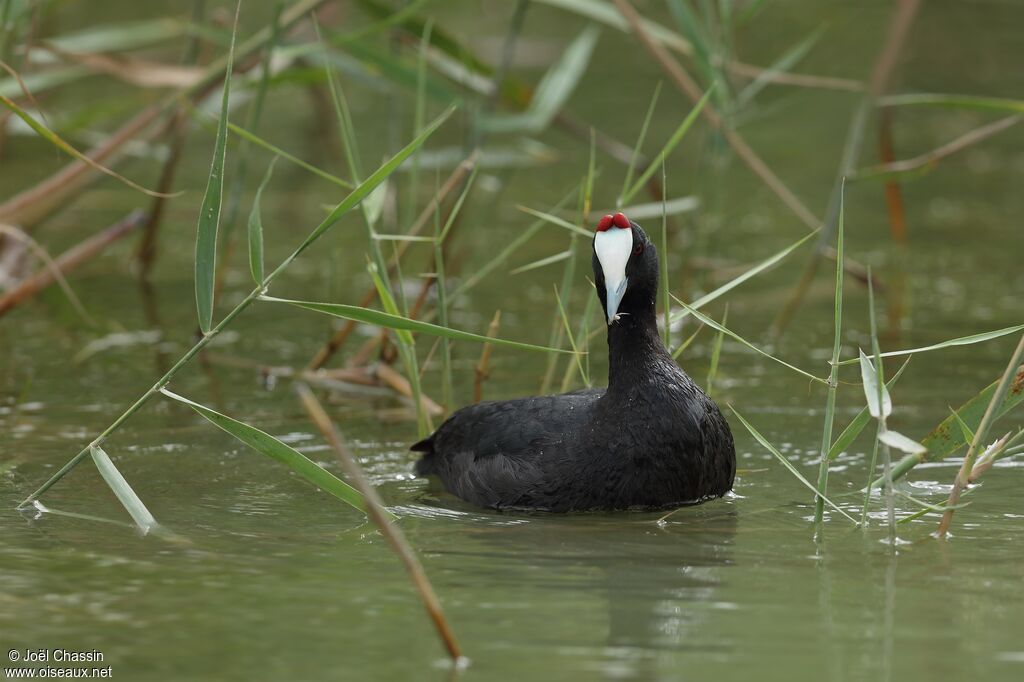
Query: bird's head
(625, 268)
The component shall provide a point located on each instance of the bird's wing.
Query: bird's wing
(494, 453)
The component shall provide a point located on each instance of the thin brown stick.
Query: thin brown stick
(35, 203)
(485, 358)
(49, 264)
(70, 259)
(338, 339)
(897, 222)
(146, 254)
(986, 462)
(878, 81)
(932, 158)
(691, 89)
(389, 376)
(967, 468)
(803, 80)
(375, 510)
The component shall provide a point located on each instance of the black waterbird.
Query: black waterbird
(653, 439)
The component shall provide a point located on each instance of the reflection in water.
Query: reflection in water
(659, 585)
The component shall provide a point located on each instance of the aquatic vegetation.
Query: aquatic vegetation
(412, 237)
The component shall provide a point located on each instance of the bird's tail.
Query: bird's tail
(425, 465)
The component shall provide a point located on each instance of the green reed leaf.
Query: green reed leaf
(125, 495)
(209, 212)
(674, 140)
(854, 428)
(961, 341)
(553, 90)
(953, 102)
(256, 228)
(786, 463)
(397, 322)
(266, 444)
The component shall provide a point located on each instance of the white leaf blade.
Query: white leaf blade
(902, 443)
(870, 379)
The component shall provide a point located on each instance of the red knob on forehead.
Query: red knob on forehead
(604, 223)
(620, 220)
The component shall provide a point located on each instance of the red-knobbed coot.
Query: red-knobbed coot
(653, 439)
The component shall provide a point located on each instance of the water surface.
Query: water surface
(271, 579)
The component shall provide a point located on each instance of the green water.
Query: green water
(271, 579)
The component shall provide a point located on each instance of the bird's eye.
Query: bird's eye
(638, 249)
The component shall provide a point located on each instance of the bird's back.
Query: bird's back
(503, 454)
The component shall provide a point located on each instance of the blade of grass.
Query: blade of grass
(787, 61)
(382, 519)
(733, 335)
(786, 463)
(879, 402)
(59, 142)
(397, 322)
(419, 115)
(277, 151)
(716, 352)
(962, 341)
(525, 236)
(441, 284)
(406, 349)
(833, 375)
(897, 440)
(343, 207)
(674, 140)
(947, 437)
(919, 165)
(555, 220)
(963, 476)
(666, 298)
(265, 444)
(254, 116)
(965, 430)
(686, 344)
(554, 89)
(256, 229)
(953, 101)
(209, 211)
(876, 393)
(733, 283)
(637, 149)
(547, 260)
(858, 423)
(572, 339)
(125, 495)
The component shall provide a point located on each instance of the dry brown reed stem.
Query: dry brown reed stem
(146, 254)
(70, 259)
(330, 379)
(32, 205)
(454, 181)
(485, 358)
(132, 70)
(691, 89)
(963, 476)
(971, 137)
(856, 270)
(390, 377)
(897, 221)
(893, 193)
(798, 79)
(881, 74)
(35, 203)
(375, 510)
(362, 355)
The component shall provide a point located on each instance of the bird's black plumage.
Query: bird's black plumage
(652, 439)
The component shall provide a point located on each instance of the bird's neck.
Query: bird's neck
(635, 351)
